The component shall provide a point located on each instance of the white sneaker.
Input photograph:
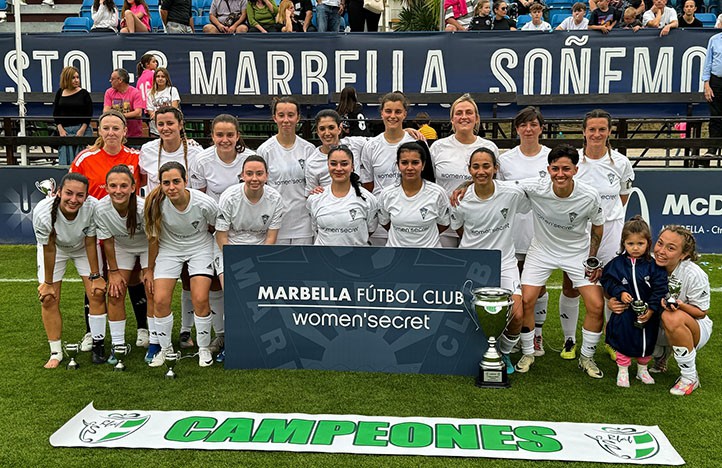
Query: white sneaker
(159, 359)
(143, 338)
(644, 375)
(87, 343)
(623, 377)
(205, 357)
(588, 365)
(524, 364)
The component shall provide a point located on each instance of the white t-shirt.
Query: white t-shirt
(286, 168)
(109, 224)
(560, 224)
(213, 175)
(513, 165)
(450, 158)
(150, 162)
(569, 25)
(162, 98)
(488, 223)
(378, 162)
(543, 26)
(695, 284)
(187, 231)
(316, 170)
(414, 219)
(346, 220)
(610, 179)
(248, 223)
(69, 234)
(668, 15)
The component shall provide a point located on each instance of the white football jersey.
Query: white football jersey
(69, 234)
(560, 224)
(450, 158)
(286, 173)
(611, 178)
(346, 220)
(316, 171)
(150, 161)
(488, 224)
(109, 224)
(248, 223)
(695, 284)
(187, 231)
(213, 175)
(414, 219)
(378, 162)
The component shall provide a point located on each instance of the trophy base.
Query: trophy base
(170, 375)
(119, 368)
(492, 378)
(639, 325)
(72, 365)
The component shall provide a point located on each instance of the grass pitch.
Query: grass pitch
(36, 401)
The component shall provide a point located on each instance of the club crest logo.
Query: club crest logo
(626, 442)
(264, 218)
(504, 212)
(302, 162)
(572, 216)
(612, 177)
(424, 212)
(114, 426)
(542, 174)
(352, 212)
(195, 224)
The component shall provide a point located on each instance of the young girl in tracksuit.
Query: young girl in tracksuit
(633, 275)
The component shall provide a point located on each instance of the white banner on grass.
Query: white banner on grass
(378, 435)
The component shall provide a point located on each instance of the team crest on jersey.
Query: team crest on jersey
(302, 162)
(504, 212)
(264, 218)
(612, 177)
(353, 212)
(542, 174)
(424, 212)
(572, 216)
(114, 426)
(453, 216)
(195, 224)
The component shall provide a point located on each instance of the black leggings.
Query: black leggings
(358, 17)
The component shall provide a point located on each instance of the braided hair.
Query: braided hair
(184, 140)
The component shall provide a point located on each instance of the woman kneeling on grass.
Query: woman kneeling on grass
(119, 221)
(178, 222)
(65, 230)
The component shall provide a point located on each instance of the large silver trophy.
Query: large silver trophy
(493, 309)
(675, 287)
(120, 351)
(46, 187)
(72, 349)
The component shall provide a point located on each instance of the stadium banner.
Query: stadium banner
(527, 63)
(372, 435)
(377, 309)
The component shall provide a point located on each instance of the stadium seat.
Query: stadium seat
(86, 7)
(206, 11)
(77, 24)
(199, 22)
(156, 23)
(522, 20)
(558, 19)
(559, 5)
(86, 14)
(708, 19)
(197, 7)
(711, 6)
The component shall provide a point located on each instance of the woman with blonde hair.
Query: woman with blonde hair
(72, 110)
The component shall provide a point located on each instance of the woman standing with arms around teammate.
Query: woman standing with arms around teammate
(65, 230)
(344, 213)
(178, 222)
(414, 211)
(450, 155)
(286, 155)
(485, 219)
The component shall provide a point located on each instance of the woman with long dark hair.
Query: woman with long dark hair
(135, 17)
(105, 16)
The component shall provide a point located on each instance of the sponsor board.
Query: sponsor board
(377, 435)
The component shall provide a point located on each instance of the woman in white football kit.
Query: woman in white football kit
(177, 222)
(414, 211)
(450, 155)
(119, 224)
(344, 213)
(611, 173)
(485, 219)
(563, 208)
(286, 155)
(65, 230)
(378, 156)
(250, 213)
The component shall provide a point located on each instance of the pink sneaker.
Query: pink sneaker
(623, 377)
(684, 386)
(644, 375)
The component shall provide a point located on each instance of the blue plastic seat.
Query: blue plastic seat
(522, 20)
(77, 24)
(199, 22)
(708, 19)
(559, 18)
(156, 23)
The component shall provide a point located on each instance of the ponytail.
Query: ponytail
(153, 216)
(355, 183)
(54, 214)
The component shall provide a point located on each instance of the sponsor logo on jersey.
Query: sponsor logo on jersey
(424, 212)
(627, 443)
(114, 426)
(572, 216)
(195, 224)
(264, 218)
(352, 212)
(504, 212)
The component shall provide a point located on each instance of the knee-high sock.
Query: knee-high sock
(186, 311)
(569, 315)
(139, 303)
(164, 329)
(507, 342)
(97, 326)
(589, 342)
(527, 342)
(152, 331)
(217, 309)
(687, 362)
(56, 349)
(203, 330)
(540, 313)
(117, 331)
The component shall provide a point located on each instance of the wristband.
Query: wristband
(94, 276)
(48, 283)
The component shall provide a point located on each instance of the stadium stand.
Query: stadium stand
(77, 24)
(708, 19)
(522, 20)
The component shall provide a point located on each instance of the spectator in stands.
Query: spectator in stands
(660, 16)
(177, 15)
(537, 23)
(328, 14)
(640, 6)
(482, 17)
(423, 122)
(604, 18)
(72, 109)
(303, 10)
(712, 77)
(286, 17)
(630, 20)
(687, 19)
(501, 21)
(262, 16)
(358, 17)
(135, 17)
(523, 7)
(145, 70)
(718, 24)
(353, 121)
(124, 98)
(458, 14)
(162, 94)
(577, 21)
(105, 16)
(227, 17)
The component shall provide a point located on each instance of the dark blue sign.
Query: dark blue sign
(355, 308)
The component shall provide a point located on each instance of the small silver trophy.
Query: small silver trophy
(493, 307)
(46, 187)
(72, 349)
(171, 359)
(675, 287)
(591, 264)
(639, 307)
(120, 351)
